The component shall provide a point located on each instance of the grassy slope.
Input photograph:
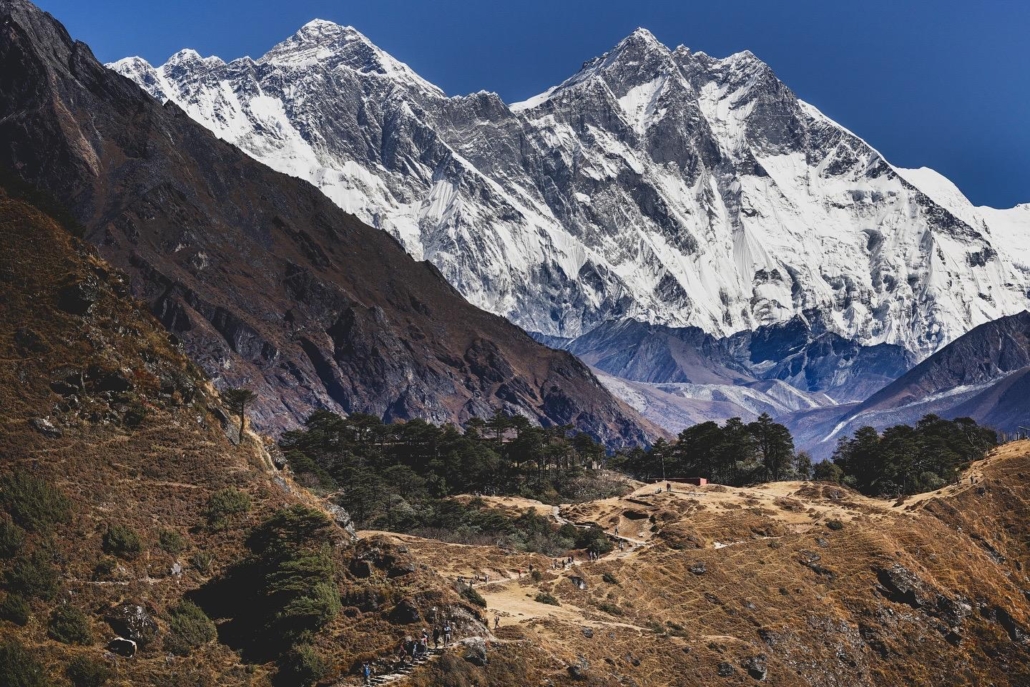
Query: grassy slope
(156, 476)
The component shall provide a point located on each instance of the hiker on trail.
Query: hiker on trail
(447, 633)
(668, 486)
(530, 569)
(497, 621)
(366, 672)
(616, 530)
(436, 636)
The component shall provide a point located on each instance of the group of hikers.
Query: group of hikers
(562, 563)
(412, 649)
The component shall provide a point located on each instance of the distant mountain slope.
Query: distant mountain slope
(265, 281)
(983, 375)
(821, 364)
(661, 185)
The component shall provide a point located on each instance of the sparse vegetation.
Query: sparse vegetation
(301, 666)
(171, 541)
(33, 576)
(546, 598)
(104, 568)
(835, 524)
(69, 625)
(15, 609)
(19, 668)
(122, 541)
(84, 671)
(237, 401)
(473, 597)
(12, 538)
(189, 628)
(225, 506)
(34, 503)
(202, 561)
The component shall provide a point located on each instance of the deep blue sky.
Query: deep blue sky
(937, 83)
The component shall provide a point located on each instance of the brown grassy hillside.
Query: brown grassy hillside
(97, 400)
(791, 583)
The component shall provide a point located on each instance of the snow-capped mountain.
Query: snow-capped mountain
(662, 185)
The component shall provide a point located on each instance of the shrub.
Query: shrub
(84, 671)
(122, 540)
(18, 667)
(301, 666)
(33, 576)
(14, 608)
(474, 597)
(609, 578)
(35, 504)
(545, 598)
(593, 539)
(202, 561)
(104, 568)
(171, 541)
(835, 525)
(610, 609)
(536, 575)
(69, 625)
(294, 562)
(224, 506)
(189, 628)
(12, 538)
(134, 416)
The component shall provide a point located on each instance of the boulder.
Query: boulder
(725, 669)
(756, 667)
(699, 568)
(578, 670)
(131, 621)
(121, 646)
(342, 518)
(476, 653)
(400, 570)
(360, 568)
(405, 613)
(78, 298)
(588, 632)
(45, 427)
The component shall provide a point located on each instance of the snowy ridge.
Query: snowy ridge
(663, 185)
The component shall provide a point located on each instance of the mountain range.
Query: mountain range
(259, 276)
(660, 185)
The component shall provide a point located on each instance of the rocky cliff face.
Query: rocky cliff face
(662, 185)
(264, 280)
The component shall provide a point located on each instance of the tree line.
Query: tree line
(907, 460)
(399, 476)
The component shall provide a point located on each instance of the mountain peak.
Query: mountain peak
(324, 43)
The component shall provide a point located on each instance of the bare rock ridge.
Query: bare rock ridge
(263, 279)
(661, 185)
